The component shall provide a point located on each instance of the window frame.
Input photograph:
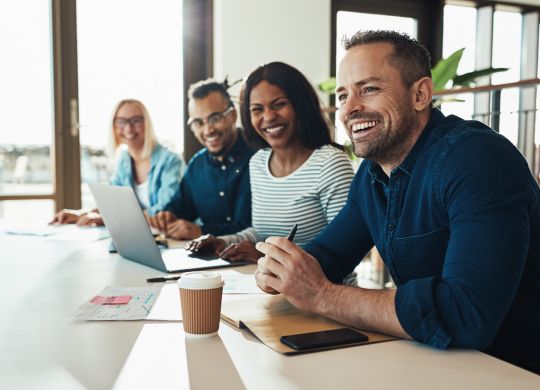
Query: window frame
(197, 28)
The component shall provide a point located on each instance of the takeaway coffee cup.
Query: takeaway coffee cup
(200, 297)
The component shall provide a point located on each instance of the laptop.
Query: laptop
(133, 237)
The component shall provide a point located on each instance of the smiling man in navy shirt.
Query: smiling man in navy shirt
(451, 206)
(214, 195)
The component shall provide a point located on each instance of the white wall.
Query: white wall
(248, 33)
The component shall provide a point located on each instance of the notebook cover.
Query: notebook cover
(271, 316)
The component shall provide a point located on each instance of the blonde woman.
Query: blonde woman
(153, 171)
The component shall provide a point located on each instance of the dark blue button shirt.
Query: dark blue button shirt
(217, 192)
(458, 226)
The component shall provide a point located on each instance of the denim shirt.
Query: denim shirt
(216, 192)
(458, 227)
(163, 178)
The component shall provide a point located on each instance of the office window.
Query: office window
(507, 54)
(127, 49)
(27, 110)
(460, 32)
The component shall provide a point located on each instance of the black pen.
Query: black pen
(291, 234)
(163, 279)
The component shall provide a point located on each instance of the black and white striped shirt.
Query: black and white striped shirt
(310, 196)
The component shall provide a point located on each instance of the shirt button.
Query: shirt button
(223, 167)
(237, 171)
(390, 226)
(221, 193)
(228, 219)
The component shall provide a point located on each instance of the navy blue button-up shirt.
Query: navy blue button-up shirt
(458, 226)
(216, 192)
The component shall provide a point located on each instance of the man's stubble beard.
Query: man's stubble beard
(391, 145)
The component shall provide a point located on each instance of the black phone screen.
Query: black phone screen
(323, 339)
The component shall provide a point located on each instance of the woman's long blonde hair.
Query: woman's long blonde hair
(150, 140)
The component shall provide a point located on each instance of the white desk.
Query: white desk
(42, 282)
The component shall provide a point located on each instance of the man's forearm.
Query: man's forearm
(362, 308)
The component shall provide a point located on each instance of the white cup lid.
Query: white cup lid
(198, 280)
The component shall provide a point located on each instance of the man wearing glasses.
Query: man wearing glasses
(215, 189)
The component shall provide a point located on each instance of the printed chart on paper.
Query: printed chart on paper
(138, 307)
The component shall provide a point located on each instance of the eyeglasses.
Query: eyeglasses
(134, 121)
(196, 124)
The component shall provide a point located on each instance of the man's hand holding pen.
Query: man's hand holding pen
(289, 270)
(263, 270)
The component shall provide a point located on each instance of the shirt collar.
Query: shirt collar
(377, 173)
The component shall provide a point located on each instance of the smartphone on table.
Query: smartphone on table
(325, 338)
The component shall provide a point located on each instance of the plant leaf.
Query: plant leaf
(349, 149)
(328, 86)
(445, 70)
(467, 79)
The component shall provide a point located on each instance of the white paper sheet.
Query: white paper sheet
(69, 233)
(33, 229)
(138, 308)
(80, 234)
(237, 283)
(167, 306)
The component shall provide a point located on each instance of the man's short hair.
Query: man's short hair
(203, 88)
(410, 58)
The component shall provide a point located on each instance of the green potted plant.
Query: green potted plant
(444, 75)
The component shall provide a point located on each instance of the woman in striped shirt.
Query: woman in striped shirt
(298, 176)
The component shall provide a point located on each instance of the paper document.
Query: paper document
(71, 233)
(138, 307)
(167, 306)
(162, 302)
(237, 283)
(33, 230)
